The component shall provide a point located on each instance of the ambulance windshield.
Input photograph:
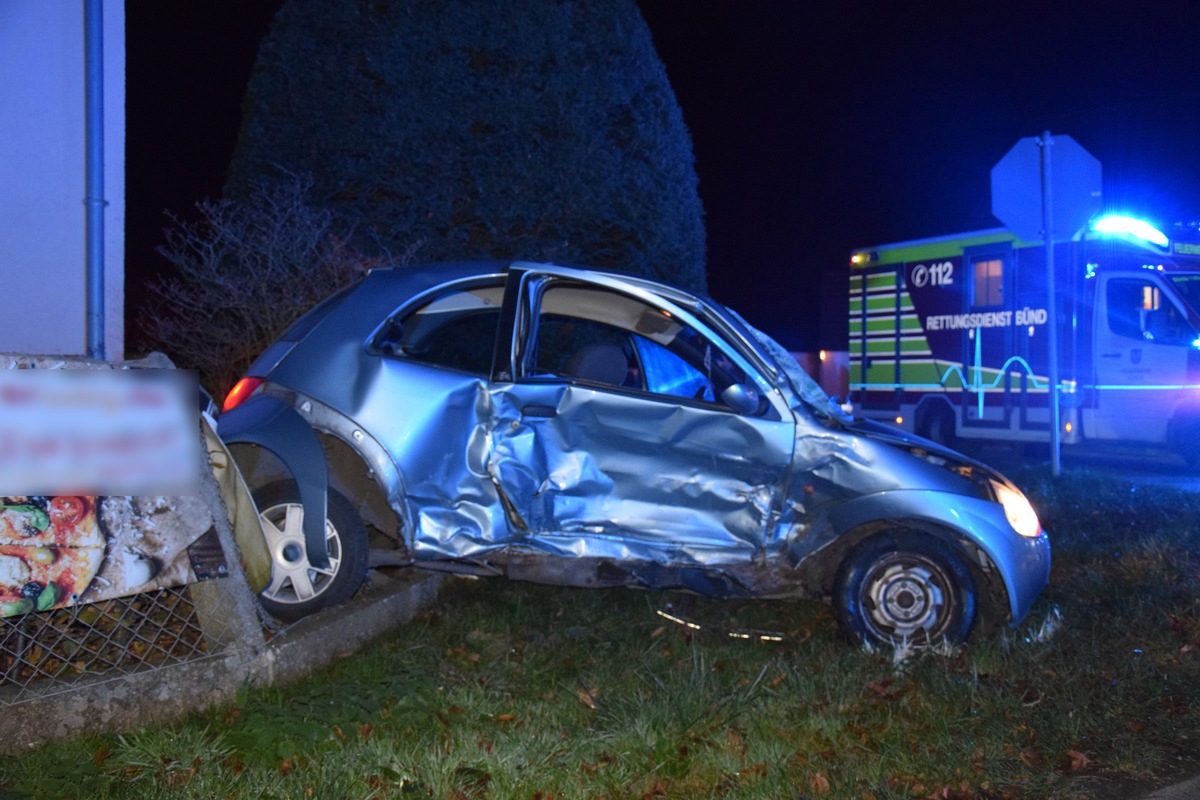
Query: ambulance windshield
(1188, 284)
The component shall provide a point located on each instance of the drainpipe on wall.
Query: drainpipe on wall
(94, 202)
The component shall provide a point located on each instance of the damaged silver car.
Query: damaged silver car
(580, 428)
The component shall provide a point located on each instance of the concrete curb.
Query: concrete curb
(384, 604)
(132, 701)
(1186, 790)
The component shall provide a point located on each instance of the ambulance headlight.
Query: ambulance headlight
(1017, 510)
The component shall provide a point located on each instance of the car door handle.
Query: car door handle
(538, 411)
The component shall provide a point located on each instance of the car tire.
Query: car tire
(297, 589)
(905, 587)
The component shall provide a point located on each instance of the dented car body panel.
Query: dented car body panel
(584, 428)
(593, 472)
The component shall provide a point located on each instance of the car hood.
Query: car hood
(924, 449)
(889, 434)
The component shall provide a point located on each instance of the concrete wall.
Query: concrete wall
(42, 187)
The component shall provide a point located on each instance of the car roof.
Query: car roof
(412, 280)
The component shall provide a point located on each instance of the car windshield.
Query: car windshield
(808, 390)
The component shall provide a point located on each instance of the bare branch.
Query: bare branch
(243, 273)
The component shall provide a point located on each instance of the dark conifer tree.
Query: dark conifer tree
(533, 129)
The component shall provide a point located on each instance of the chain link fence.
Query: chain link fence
(45, 653)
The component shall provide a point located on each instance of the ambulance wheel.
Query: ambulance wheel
(939, 427)
(297, 587)
(1189, 443)
(906, 587)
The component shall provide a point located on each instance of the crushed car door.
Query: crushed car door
(631, 431)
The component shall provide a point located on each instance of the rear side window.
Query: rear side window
(456, 330)
(987, 283)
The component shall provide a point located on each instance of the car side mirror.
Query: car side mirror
(741, 397)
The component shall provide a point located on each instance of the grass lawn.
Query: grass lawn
(510, 690)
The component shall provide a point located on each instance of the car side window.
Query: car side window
(600, 337)
(456, 329)
(668, 373)
(1138, 309)
(584, 350)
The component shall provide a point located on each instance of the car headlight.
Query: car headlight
(1017, 509)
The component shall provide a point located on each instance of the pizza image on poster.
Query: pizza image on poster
(57, 551)
(50, 550)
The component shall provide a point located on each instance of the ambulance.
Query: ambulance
(949, 336)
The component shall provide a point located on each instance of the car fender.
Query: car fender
(270, 423)
(1023, 564)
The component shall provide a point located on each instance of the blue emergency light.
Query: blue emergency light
(1130, 226)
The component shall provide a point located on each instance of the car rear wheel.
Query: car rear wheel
(905, 587)
(297, 587)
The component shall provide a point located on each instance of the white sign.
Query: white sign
(99, 432)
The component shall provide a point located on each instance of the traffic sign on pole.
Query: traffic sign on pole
(1074, 179)
(1040, 196)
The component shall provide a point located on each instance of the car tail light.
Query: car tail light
(240, 391)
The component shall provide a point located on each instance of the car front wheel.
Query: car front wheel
(905, 587)
(297, 587)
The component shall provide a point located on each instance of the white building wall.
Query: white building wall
(43, 263)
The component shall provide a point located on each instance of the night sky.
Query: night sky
(816, 128)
